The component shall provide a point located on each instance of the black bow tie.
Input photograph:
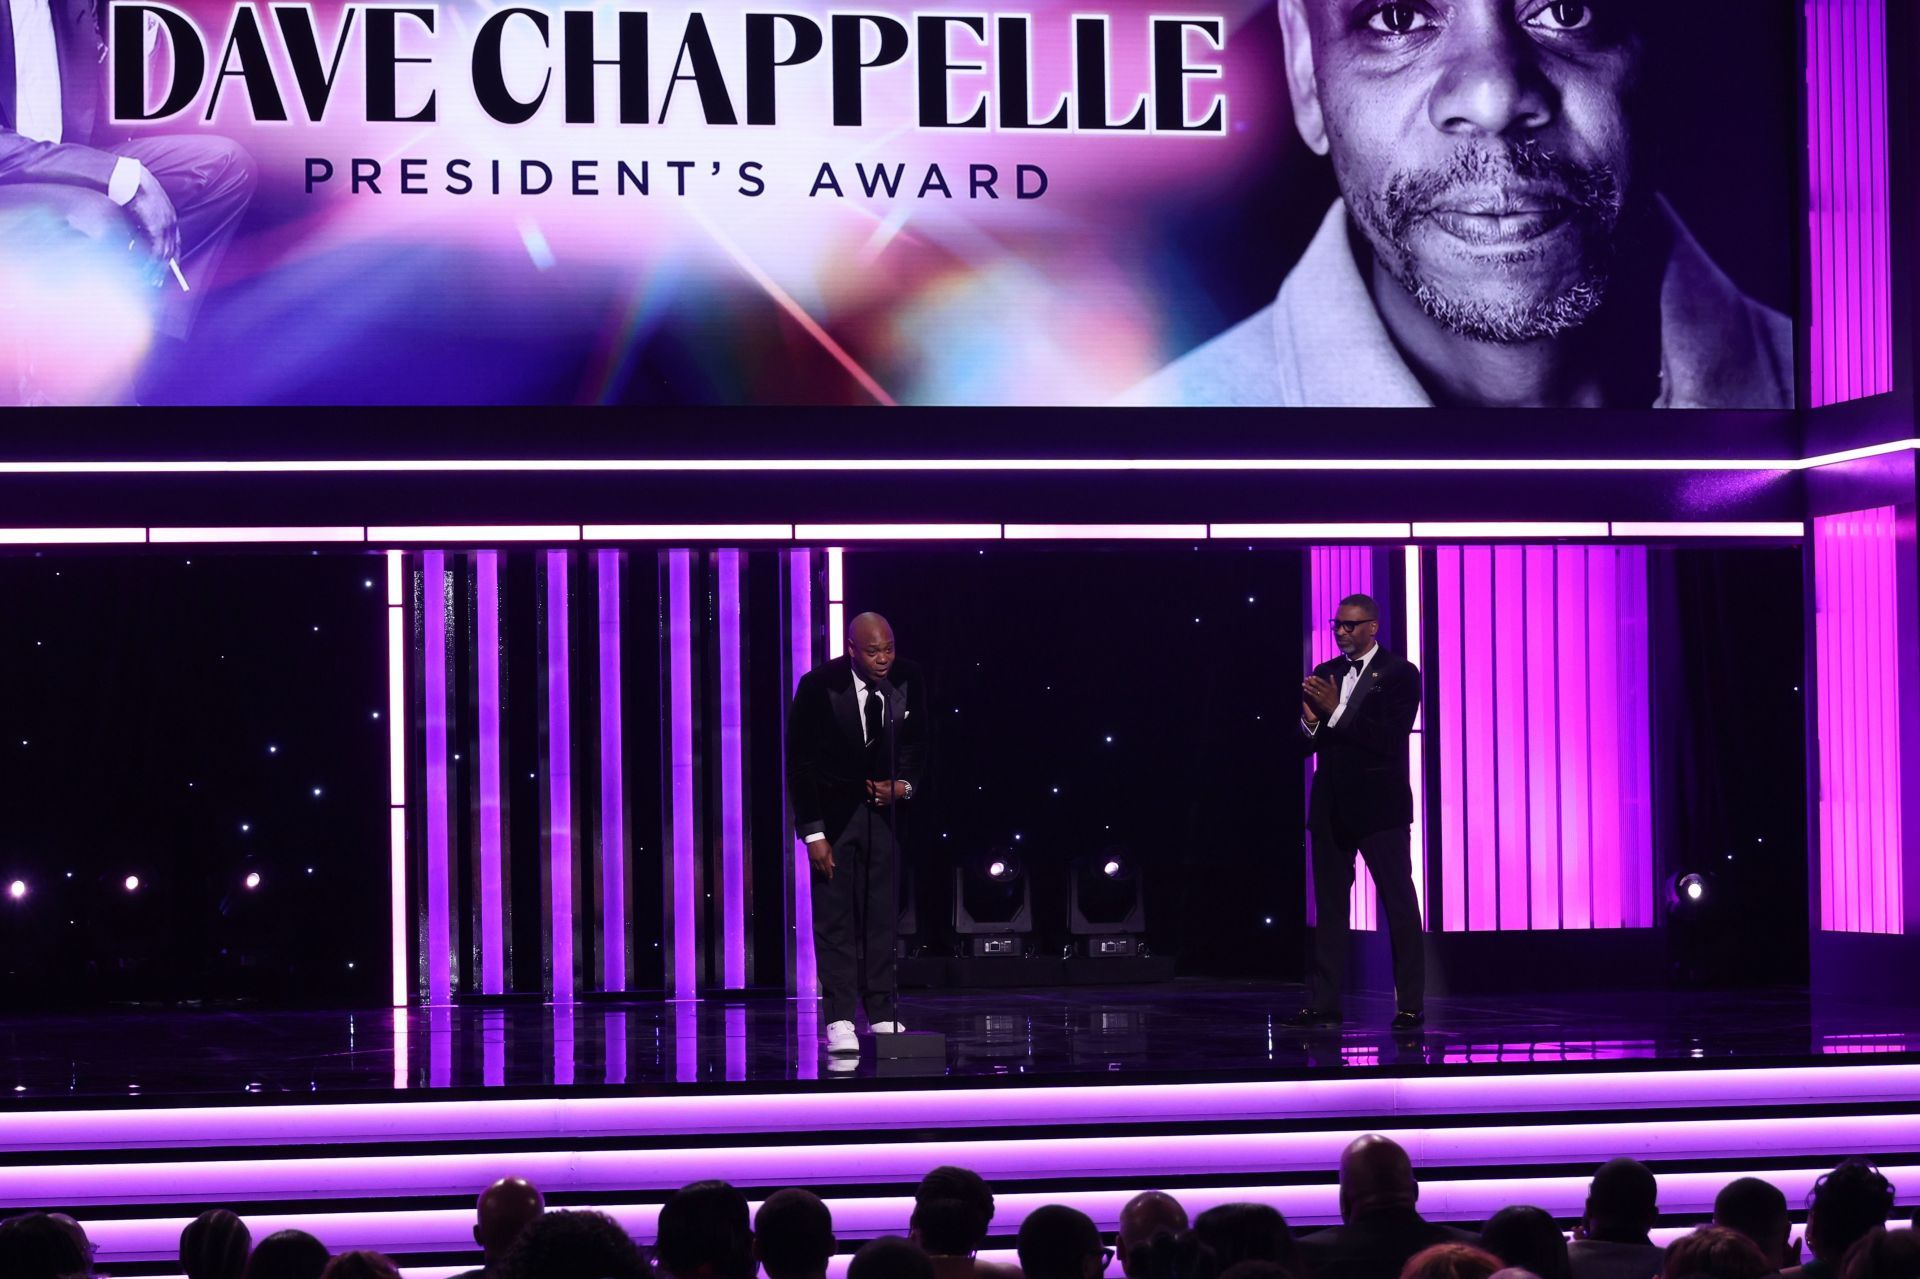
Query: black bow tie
(1356, 665)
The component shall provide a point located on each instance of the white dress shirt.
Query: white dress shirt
(1348, 683)
(38, 104)
(861, 692)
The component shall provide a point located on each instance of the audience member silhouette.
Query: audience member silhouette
(1844, 1205)
(1528, 1239)
(575, 1244)
(1247, 1232)
(1058, 1242)
(1258, 1270)
(1612, 1240)
(288, 1254)
(1758, 1210)
(1883, 1254)
(705, 1232)
(793, 1235)
(1148, 1242)
(890, 1257)
(360, 1264)
(35, 1246)
(1715, 1252)
(214, 1246)
(1381, 1223)
(503, 1211)
(1451, 1261)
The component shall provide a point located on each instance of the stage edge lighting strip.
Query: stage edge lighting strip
(688, 532)
(613, 794)
(733, 775)
(397, 776)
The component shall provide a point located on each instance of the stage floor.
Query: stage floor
(1187, 1030)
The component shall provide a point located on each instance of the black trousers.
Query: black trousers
(856, 921)
(1389, 858)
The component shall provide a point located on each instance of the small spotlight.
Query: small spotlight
(1111, 868)
(131, 883)
(17, 889)
(995, 870)
(1693, 888)
(253, 879)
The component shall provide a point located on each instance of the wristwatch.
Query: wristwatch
(906, 789)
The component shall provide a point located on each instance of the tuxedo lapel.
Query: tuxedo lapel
(1369, 679)
(846, 712)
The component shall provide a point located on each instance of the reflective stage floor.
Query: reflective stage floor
(1184, 1030)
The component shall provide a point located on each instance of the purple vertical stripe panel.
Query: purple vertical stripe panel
(560, 956)
(439, 896)
(1335, 572)
(1510, 733)
(488, 768)
(1849, 205)
(493, 1048)
(1603, 728)
(1575, 764)
(1892, 915)
(1847, 596)
(1824, 618)
(733, 820)
(806, 977)
(613, 793)
(563, 1047)
(686, 1038)
(1477, 604)
(1444, 726)
(439, 1047)
(1636, 766)
(736, 1042)
(683, 971)
(1543, 742)
(614, 1036)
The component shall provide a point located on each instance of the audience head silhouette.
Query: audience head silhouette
(35, 1246)
(890, 1257)
(1758, 1210)
(214, 1246)
(504, 1209)
(1058, 1242)
(1844, 1206)
(964, 1184)
(1528, 1239)
(1715, 1252)
(705, 1233)
(360, 1265)
(288, 1254)
(1247, 1232)
(1884, 1254)
(793, 1235)
(575, 1245)
(1258, 1270)
(1451, 1261)
(1375, 1176)
(1623, 1202)
(1151, 1224)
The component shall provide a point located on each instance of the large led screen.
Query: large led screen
(1161, 203)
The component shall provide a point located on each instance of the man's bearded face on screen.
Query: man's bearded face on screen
(1485, 148)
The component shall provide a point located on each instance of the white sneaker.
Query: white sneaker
(889, 1028)
(841, 1039)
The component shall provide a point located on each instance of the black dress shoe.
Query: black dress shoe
(1313, 1017)
(1404, 1020)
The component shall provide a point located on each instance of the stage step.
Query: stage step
(406, 1183)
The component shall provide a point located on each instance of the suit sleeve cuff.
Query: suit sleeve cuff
(812, 831)
(125, 182)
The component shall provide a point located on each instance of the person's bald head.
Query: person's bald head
(870, 643)
(1375, 1173)
(506, 1208)
(1147, 1215)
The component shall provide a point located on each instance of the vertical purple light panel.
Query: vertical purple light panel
(1335, 572)
(439, 903)
(1857, 698)
(733, 823)
(683, 971)
(1543, 726)
(559, 783)
(493, 931)
(806, 978)
(1849, 209)
(613, 795)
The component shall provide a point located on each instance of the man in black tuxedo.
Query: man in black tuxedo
(1381, 1226)
(1357, 713)
(856, 750)
(181, 197)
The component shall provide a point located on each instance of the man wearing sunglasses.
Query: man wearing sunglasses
(1356, 714)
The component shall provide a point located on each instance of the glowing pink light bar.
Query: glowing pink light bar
(397, 784)
(474, 533)
(70, 536)
(311, 533)
(895, 532)
(688, 532)
(1712, 528)
(1511, 528)
(1107, 532)
(1311, 532)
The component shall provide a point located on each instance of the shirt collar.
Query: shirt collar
(1366, 658)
